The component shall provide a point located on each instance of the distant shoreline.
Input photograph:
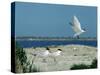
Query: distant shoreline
(56, 39)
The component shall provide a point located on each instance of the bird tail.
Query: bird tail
(77, 34)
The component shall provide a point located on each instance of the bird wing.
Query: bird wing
(76, 25)
(43, 54)
(54, 54)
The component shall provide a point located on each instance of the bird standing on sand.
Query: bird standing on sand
(55, 54)
(76, 26)
(43, 54)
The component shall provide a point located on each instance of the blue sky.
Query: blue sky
(52, 20)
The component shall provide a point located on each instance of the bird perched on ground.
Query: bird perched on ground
(76, 26)
(55, 54)
(43, 54)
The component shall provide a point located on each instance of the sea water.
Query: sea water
(43, 43)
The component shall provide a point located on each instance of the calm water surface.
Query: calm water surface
(30, 43)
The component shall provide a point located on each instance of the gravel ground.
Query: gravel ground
(71, 54)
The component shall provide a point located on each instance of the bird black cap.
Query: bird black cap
(59, 49)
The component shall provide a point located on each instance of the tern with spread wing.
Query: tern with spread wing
(76, 26)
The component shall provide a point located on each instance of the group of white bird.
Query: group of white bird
(47, 53)
(76, 26)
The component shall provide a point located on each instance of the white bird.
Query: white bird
(76, 26)
(43, 54)
(55, 54)
(46, 54)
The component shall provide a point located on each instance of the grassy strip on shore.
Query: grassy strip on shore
(84, 66)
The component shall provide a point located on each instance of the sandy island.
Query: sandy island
(72, 54)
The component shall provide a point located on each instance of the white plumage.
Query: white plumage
(43, 54)
(76, 26)
(55, 54)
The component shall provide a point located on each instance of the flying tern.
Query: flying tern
(76, 26)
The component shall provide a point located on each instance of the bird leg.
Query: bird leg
(55, 59)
